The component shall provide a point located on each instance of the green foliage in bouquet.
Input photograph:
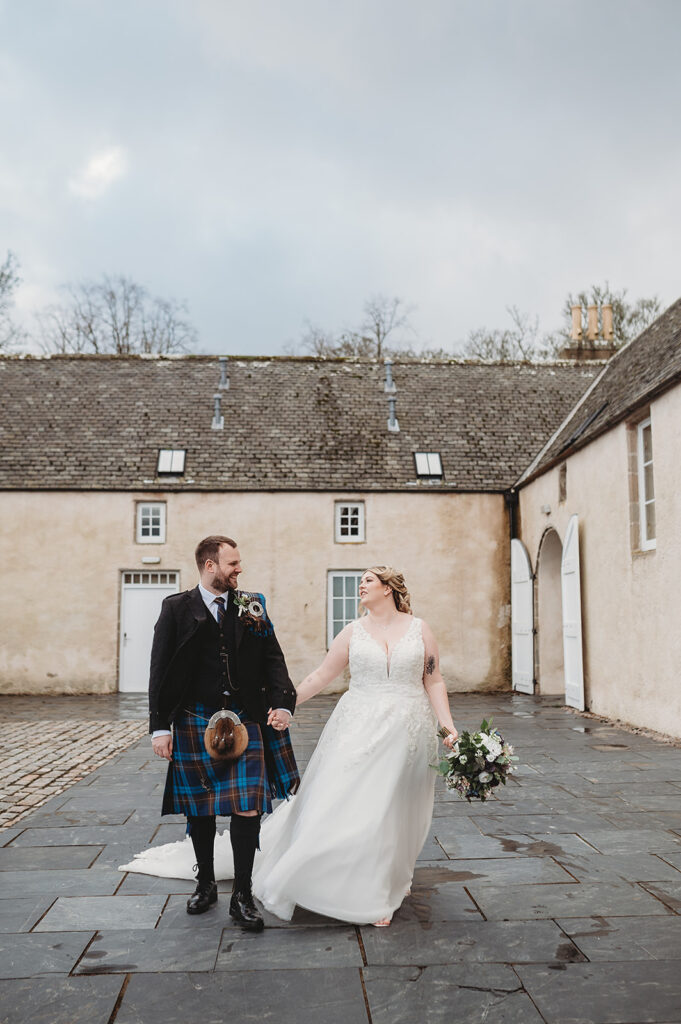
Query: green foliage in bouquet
(477, 763)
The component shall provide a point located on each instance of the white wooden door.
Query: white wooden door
(141, 596)
(572, 617)
(522, 619)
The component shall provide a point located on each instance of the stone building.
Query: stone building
(607, 484)
(111, 469)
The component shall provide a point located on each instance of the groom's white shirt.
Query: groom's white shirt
(209, 600)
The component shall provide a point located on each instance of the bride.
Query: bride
(346, 844)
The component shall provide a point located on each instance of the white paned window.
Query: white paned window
(342, 601)
(151, 522)
(428, 463)
(349, 522)
(646, 487)
(150, 579)
(171, 460)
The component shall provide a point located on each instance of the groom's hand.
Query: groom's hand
(278, 718)
(163, 746)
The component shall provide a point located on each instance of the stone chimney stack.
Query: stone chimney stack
(598, 344)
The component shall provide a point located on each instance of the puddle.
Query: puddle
(609, 746)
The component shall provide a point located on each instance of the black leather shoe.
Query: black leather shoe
(204, 896)
(245, 913)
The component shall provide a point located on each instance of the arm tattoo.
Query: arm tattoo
(430, 665)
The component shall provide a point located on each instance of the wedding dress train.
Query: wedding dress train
(346, 844)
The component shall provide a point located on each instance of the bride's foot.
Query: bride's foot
(383, 923)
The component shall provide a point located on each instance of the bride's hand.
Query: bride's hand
(451, 739)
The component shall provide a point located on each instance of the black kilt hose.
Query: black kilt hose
(198, 785)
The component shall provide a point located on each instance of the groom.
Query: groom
(214, 647)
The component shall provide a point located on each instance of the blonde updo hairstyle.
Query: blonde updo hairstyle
(395, 580)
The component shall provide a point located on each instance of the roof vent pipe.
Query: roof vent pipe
(218, 419)
(224, 379)
(389, 386)
(391, 391)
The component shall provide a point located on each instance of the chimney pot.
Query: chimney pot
(576, 323)
(591, 322)
(606, 314)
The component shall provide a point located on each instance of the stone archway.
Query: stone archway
(550, 672)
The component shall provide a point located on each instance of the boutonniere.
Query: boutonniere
(251, 611)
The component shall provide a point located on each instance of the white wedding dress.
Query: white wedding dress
(346, 844)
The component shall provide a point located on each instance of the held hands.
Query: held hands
(163, 746)
(278, 718)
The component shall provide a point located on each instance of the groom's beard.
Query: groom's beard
(223, 583)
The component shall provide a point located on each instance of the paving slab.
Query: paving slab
(65, 819)
(508, 942)
(131, 950)
(629, 867)
(83, 835)
(32, 955)
(519, 870)
(536, 902)
(47, 858)
(443, 994)
(20, 914)
(59, 883)
(330, 996)
(625, 938)
(631, 993)
(632, 840)
(280, 949)
(668, 892)
(80, 913)
(57, 1000)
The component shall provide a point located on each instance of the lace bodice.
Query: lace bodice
(369, 666)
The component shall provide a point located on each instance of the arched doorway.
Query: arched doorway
(550, 673)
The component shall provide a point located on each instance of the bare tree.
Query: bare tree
(118, 316)
(512, 343)
(10, 333)
(523, 340)
(383, 319)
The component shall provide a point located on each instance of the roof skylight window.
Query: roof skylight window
(171, 460)
(428, 463)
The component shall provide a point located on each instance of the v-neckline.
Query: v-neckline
(386, 653)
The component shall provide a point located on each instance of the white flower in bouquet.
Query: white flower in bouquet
(484, 777)
(462, 759)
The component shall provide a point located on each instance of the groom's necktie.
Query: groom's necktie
(220, 602)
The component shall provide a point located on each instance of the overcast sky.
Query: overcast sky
(276, 162)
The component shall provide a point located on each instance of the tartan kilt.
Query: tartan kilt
(198, 785)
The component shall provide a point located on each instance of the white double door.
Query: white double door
(142, 594)
(522, 618)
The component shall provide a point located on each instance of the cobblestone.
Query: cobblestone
(40, 758)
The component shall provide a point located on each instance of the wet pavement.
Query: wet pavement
(560, 901)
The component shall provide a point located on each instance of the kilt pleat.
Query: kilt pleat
(199, 785)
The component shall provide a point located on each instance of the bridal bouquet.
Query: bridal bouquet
(477, 762)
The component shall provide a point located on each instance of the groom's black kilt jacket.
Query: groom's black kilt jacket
(257, 670)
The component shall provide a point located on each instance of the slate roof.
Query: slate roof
(634, 376)
(93, 422)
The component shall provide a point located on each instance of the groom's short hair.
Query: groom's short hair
(209, 547)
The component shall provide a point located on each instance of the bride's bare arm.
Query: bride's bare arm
(434, 683)
(332, 666)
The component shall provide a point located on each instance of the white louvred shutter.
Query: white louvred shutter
(522, 619)
(572, 618)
